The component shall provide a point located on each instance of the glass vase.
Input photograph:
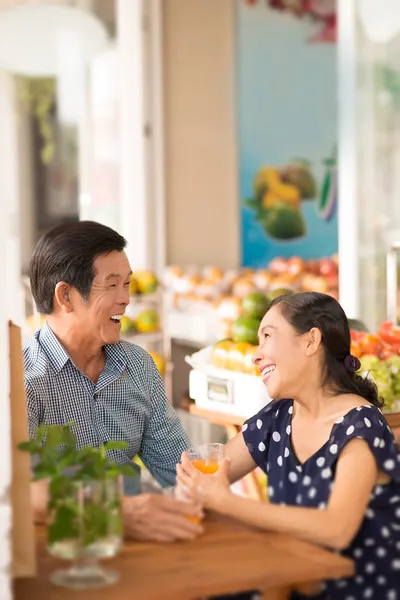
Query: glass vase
(84, 524)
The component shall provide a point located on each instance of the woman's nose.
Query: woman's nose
(255, 359)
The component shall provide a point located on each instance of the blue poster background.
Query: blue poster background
(286, 106)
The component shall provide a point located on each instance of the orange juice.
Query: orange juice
(193, 519)
(206, 466)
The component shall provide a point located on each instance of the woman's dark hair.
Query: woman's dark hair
(66, 253)
(307, 310)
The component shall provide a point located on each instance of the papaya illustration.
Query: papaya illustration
(270, 199)
(260, 183)
(284, 222)
(298, 173)
(270, 189)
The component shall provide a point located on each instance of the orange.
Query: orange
(249, 367)
(220, 354)
(236, 356)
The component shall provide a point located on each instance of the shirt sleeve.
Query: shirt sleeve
(164, 437)
(33, 410)
(257, 432)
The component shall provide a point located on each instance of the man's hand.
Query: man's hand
(157, 518)
(39, 500)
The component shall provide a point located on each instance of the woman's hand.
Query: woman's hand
(212, 490)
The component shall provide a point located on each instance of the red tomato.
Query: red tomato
(370, 344)
(389, 333)
(355, 349)
(386, 351)
(356, 336)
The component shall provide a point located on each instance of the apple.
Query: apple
(278, 265)
(327, 268)
(312, 266)
(295, 265)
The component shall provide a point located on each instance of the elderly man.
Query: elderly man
(78, 369)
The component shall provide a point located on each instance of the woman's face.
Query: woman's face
(282, 355)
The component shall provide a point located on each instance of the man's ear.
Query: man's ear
(62, 296)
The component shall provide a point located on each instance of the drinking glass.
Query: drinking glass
(180, 492)
(207, 457)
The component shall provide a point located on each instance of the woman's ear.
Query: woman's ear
(62, 296)
(314, 339)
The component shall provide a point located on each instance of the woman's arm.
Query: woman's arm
(241, 462)
(333, 527)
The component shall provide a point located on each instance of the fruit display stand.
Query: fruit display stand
(223, 390)
(144, 324)
(379, 354)
(204, 302)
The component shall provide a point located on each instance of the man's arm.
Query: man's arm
(147, 517)
(164, 437)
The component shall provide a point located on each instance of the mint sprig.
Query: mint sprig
(67, 469)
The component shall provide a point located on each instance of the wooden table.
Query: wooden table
(228, 558)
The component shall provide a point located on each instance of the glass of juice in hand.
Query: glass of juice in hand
(181, 493)
(207, 457)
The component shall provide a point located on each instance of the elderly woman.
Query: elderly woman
(332, 462)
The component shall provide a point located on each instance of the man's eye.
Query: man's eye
(113, 285)
(127, 283)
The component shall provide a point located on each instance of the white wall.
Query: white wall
(200, 132)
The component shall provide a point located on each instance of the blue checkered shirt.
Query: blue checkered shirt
(127, 404)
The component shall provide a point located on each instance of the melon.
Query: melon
(245, 329)
(255, 305)
(284, 222)
(148, 321)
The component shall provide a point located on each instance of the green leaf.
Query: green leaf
(41, 433)
(32, 446)
(65, 524)
(95, 523)
(116, 446)
(44, 471)
(54, 436)
(68, 437)
(127, 470)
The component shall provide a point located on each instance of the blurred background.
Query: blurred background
(244, 148)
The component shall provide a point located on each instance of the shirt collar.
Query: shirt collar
(58, 356)
(55, 352)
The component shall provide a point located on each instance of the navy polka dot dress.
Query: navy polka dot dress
(376, 547)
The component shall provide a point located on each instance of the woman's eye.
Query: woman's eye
(266, 335)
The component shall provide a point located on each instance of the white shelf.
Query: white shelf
(154, 298)
(144, 338)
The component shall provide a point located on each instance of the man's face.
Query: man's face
(99, 317)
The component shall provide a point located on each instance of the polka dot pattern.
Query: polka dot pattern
(376, 547)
